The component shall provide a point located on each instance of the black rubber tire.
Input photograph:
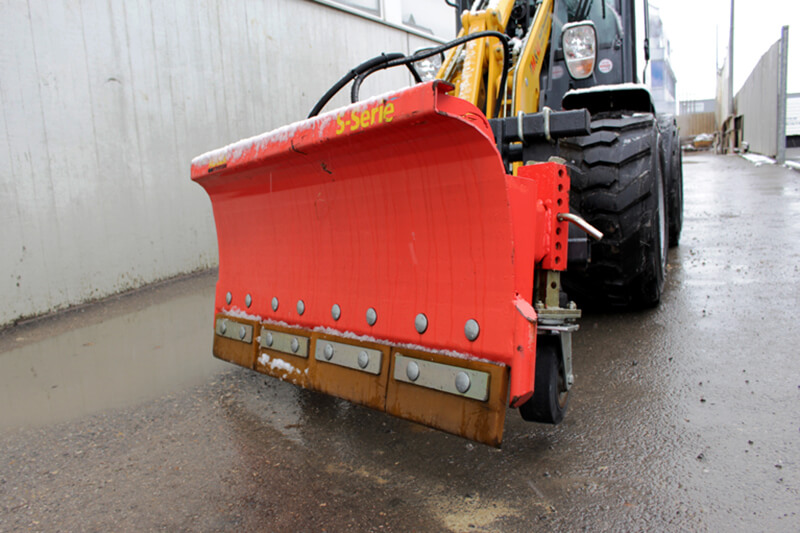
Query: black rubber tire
(550, 396)
(672, 169)
(617, 186)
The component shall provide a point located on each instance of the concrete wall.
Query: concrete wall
(103, 105)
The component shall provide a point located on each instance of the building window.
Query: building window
(370, 6)
(434, 18)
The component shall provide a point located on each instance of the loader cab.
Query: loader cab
(621, 48)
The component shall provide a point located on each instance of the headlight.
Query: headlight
(428, 68)
(579, 42)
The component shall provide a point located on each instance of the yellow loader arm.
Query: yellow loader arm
(475, 68)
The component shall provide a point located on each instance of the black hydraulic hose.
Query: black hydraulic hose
(363, 67)
(357, 81)
(414, 73)
(428, 52)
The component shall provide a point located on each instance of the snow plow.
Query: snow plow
(406, 252)
(382, 254)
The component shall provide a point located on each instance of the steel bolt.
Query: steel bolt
(328, 352)
(472, 329)
(295, 344)
(462, 382)
(336, 311)
(372, 316)
(363, 359)
(268, 339)
(223, 326)
(274, 303)
(421, 323)
(301, 307)
(228, 298)
(412, 370)
(248, 300)
(242, 332)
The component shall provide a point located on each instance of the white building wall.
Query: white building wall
(793, 114)
(103, 105)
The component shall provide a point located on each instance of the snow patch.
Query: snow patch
(758, 159)
(235, 312)
(273, 364)
(604, 88)
(516, 45)
(235, 150)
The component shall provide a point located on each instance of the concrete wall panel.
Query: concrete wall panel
(103, 106)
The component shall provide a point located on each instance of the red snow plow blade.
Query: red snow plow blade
(380, 253)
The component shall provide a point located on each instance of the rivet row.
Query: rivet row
(471, 327)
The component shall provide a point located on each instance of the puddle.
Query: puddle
(132, 357)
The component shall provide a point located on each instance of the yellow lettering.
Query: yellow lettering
(366, 118)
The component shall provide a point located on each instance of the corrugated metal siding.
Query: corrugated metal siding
(696, 123)
(105, 103)
(757, 102)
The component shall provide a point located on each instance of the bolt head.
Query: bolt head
(363, 359)
(242, 332)
(295, 344)
(372, 316)
(228, 298)
(248, 300)
(223, 326)
(336, 311)
(463, 382)
(301, 307)
(472, 329)
(274, 303)
(328, 352)
(412, 370)
(421, 323)
(268, 340)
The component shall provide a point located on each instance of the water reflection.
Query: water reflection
(117, 362)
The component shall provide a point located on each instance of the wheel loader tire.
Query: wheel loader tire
(550, 396)
(617, 185)
(672, 167)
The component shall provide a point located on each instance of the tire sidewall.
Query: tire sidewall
(659, 221)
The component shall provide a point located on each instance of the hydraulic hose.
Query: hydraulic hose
(423, 54)
(384, 61)
(347, 78)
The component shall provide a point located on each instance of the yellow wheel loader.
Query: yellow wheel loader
(413, 252)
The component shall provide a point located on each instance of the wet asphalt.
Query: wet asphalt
(115, 417)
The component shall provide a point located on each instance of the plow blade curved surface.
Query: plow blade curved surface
(391, 226)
